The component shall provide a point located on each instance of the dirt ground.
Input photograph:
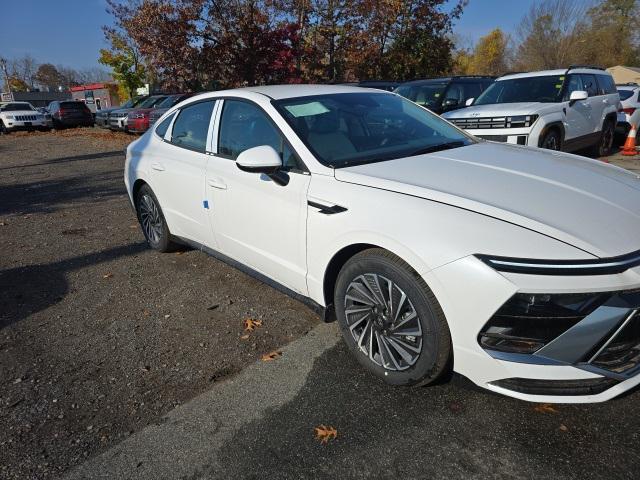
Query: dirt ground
(100, 336)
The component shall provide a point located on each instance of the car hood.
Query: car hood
(497, 109)
(21, 112)
(585, 203)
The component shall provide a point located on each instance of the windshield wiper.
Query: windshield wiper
(438, 148)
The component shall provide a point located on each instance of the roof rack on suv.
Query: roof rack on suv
(628, 84)
(594, 67)
(515, 72)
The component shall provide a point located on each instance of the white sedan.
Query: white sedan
(514, 266)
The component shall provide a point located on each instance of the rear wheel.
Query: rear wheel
(604, 146)
(151, 218)
(390, 319)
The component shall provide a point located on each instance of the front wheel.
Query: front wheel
(391, 321)
(551, 140)
(3, 129)
(151, 218)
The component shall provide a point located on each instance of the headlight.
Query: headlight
(10, 117)
(136, 115)
(521, 121)
(527, 322)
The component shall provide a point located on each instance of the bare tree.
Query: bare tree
(24, 69)
(551, 34)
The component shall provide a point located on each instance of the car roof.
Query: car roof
(461, 78)
(558, 71)
(280, 92)
(627, 87)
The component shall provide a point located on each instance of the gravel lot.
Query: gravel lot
(100, 336)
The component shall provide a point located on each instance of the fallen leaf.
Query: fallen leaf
(545, 408)
(133, 226)
(325, 433)
(146, 313)
(2, 224)
(564, 428)
(267, 357)
(250, 324)
(107, 275)
(213, 307)
(179, 253)
(244, 337)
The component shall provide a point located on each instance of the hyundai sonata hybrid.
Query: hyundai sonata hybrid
(516, 267)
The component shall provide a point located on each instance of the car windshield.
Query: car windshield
(625, 94)
(150, 102)
(547, 88)
(170, 101)
(15, 107)
(355, 128)
(428, 94)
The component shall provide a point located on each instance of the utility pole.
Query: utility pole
(3, 65)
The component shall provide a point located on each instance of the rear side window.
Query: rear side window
(73, 106)
(590, 85)
(606, 84)
(161, 129)
(625, 94)
(192, 126)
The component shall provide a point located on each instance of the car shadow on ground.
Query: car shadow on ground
(451, 430)
(74, 158)
(27, 290)
(45, 196)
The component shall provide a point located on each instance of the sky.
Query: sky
(68, 32)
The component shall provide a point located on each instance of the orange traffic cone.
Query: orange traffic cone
(629, 147)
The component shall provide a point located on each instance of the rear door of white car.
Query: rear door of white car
(178, 169)
(255, 220)
(595, 100)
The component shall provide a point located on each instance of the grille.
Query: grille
(622, 352)
(27, 118)
(494, 138)
(480, 123)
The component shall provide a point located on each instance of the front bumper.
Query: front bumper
(138, 125)
(13, 125)
(118, 123)
(471, 292)
(515, 136)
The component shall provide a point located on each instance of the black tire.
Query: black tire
(157, 235)
(552, 140)
(3, 129)
(435, 355)
(605, 143)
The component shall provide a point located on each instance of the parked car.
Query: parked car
(444, 94)
(102, 116)
(70, 113)
(630, 102)
(47, 116)
(569, 110)
(21, 116)
(139, 119)
(359, 203)
(379, 84)
(118, 118)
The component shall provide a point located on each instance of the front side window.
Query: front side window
(428, 95)
(244, 126)
(546, 89)
(573, 85)
(590, 85)
(354, 128)
(192, 126)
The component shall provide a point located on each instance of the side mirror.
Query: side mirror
(469, 102)
(450, 102)
(263, 159)
(578, 95)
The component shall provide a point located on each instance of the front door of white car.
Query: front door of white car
(178, 168)
(255, 220)
(578, 113)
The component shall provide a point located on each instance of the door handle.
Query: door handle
(158, 167)
(217, 183)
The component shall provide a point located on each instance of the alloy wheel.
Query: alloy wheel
(551, 143)
(150, 219)
(383, 322)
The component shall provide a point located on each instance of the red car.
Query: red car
(138, 118)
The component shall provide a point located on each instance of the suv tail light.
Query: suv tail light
(628, 111)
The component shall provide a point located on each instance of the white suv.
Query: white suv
(630, 99)
(21, 116)
(569, 110)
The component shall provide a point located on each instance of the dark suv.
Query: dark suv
(70, 114)
(444, 94)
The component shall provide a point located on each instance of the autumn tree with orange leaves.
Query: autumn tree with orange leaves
(196, 44)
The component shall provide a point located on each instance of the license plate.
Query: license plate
(27, 124)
